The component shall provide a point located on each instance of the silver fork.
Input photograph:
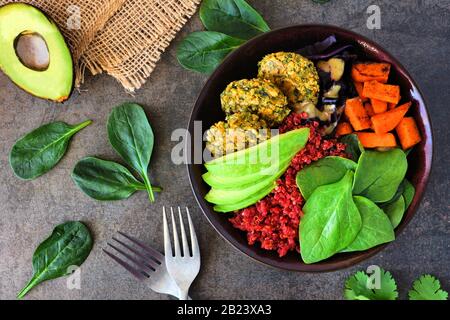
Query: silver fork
(184, 266)
(144, 263)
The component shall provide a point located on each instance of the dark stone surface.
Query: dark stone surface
(416, 32)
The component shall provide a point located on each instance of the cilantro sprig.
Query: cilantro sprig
(357, 287)
(427, 287)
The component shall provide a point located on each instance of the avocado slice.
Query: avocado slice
(227, 182)
(245, 203)
(34, 54)
(241, 193)
(261, 156)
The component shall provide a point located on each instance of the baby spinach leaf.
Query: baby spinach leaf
(358, 287)
(41, 149)
(397, 195)
(376, 226)
(379, 174)
(408, 193)
(235, 18)
(395, 211)
(105, 180)
(132, 137)
(325, 171)
(203, 51)
(354, 147)
(68, 245)
(331, 221)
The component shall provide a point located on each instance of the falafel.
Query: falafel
(240, 130)
(256, 96)
(294, 74)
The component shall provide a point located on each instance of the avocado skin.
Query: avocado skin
(22, 7)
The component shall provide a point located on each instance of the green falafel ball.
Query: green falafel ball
(256, 96)
(294, 74)
(240, 130)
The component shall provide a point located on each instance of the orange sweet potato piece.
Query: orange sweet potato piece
(359, 86)
(375, 140)
(356, 114)
(378, 105)
(387, 121)
(407, 132)
(343, 128)
(368, 71)
(380, 91)
(369, 109)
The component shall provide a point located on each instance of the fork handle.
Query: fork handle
(183, 294)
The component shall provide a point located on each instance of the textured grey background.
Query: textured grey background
(416, 32)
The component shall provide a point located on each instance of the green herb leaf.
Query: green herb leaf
(68, 245)
(376, 226)
(395, 211)
(203, 51)
(41, 149)
(235, 18)
(379, 174)
(325, 171)
(354, 147)
(427, 287)
(132, 137)
(331, 221)
(105, 180)
(357, 287)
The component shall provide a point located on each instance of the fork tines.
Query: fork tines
(184, 241)
(137, 257)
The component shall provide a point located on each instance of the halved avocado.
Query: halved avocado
(34, 54)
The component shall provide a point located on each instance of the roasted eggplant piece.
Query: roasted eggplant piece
(334, 66)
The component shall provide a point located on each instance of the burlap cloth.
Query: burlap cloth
(124, 38)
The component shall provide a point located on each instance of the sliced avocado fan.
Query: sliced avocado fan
(34, 54)
(240, 179)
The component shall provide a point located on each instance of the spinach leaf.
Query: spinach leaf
(41, 149)
(203, 51)
(397, 195)
(235, 18)
(68, 245)
(325, 171)
(408, 193)
(379, 174)
(132, 137)
(105, 180)
(354, 147)
(395, 211)
(376, 226)
(331, 221)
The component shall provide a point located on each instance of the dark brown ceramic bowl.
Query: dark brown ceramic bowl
(241, 64)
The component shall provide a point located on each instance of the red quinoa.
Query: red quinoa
(274, 220)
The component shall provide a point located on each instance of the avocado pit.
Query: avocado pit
(32, 51)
